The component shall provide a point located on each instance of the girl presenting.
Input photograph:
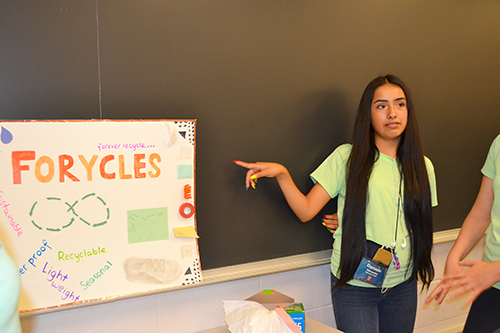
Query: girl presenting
(386, 188)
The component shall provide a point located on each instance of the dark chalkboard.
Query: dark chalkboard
(266, 80)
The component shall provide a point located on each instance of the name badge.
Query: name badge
(371, 272)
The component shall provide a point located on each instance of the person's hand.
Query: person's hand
(479, 277)
(440, 292)
(331, 222)
(259, 170)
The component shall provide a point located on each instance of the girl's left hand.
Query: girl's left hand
(331, 222)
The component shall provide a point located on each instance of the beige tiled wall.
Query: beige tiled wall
(200, 308)
(450, 316)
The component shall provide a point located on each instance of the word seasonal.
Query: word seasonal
(96, 276)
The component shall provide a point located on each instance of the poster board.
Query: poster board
(93, 210)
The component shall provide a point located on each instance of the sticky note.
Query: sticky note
(189, 251)
(147, 225)
(187, 232)
(185, 152)
(184, 171)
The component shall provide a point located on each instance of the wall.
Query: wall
(266, 80)
(103, 59)
(200, 308)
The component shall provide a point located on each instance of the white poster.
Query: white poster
(92, 210)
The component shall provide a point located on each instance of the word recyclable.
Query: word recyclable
(78, 256)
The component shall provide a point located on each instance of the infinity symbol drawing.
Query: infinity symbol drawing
(54, 214)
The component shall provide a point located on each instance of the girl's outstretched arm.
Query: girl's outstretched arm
(473, 228)
(304, 206)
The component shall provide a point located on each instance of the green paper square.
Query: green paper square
(147, 225)
(184, 171)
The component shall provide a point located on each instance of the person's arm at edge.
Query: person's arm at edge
(476, 222)
(473, 228)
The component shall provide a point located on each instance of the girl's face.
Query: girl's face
(389, 114)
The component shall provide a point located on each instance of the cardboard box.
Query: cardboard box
(298, 315)
(271, 298)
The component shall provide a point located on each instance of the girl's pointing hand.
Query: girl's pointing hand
(260, 170)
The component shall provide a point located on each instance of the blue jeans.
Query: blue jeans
(483, 314)
(359, 309)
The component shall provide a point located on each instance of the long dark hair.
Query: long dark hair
(417, 196)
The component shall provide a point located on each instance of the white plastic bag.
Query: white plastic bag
(252, 317)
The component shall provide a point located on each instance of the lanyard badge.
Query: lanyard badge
(374, 264)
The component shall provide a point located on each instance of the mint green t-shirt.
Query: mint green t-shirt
(10, 289)
(381, 211)
(491, 169)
